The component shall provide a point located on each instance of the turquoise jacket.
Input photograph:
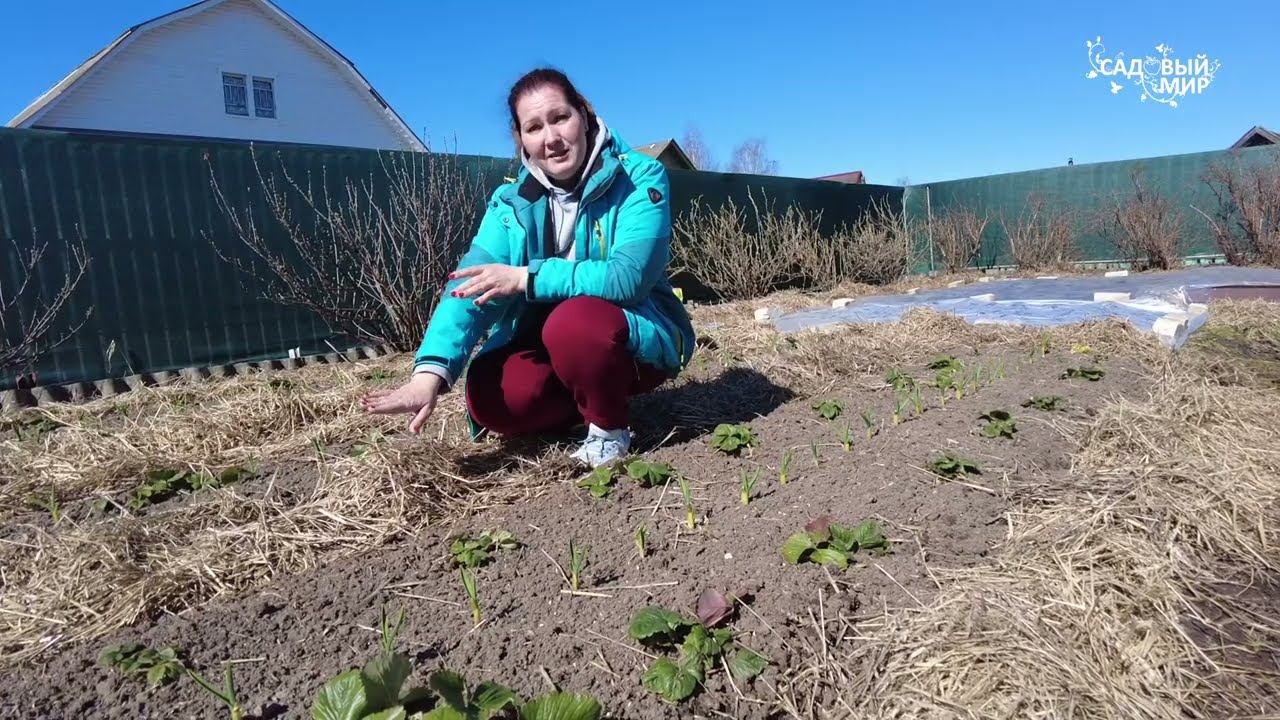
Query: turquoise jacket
(623, 243)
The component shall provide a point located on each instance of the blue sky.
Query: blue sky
(926, 91)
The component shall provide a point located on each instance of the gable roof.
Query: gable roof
(1257, 135)
(851, 178)
(45, 102)
(672, 151)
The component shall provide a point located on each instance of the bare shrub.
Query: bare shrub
(1143, 226)
(957, 235)
(370, 262)
(875, 249)
(739, 251)
(1041, 237)
(1246, 221)
(27, 320)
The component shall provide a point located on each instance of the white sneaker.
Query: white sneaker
(603, 446)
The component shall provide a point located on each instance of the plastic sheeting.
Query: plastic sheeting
(1157, 302)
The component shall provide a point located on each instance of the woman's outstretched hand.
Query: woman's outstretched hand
(416, 397)
(490, 281)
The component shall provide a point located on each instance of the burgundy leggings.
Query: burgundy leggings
(574, 367)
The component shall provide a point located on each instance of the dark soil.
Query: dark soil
(303, 629)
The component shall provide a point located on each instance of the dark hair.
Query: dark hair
(542, 77)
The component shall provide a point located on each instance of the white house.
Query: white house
(236, 69)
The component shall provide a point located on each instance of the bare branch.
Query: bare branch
(371, 260)
(27, 320)
(752, 158)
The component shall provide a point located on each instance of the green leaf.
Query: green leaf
(395, 713)
(161, 674)
(384, 676)
(843, 539)
(829, 556)
(444, 713)
(869, 535)
(672, 682)
(562, 706)
(451, 687)
(657, 625)
(796, 546)
(746, 663)
(702, 648)
(491, 698)
(342, 698)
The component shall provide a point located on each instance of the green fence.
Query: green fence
(161, 297)
(1081, 190)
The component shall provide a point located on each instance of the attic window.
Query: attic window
(264, 98)
(234, 96)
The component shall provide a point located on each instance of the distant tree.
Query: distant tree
(696, 149)
(752, 158)
(903, 181)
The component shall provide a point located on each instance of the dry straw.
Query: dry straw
(1143, 585)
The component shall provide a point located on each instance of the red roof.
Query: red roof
(852, 178)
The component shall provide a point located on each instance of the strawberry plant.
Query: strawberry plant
(491, 700)
(639, 537)
(473, 594)
(945, 362)
(1092, 374)
(159, 666)
(747, 483)
(949, 465)
(731, 438)
(577, 563)
(686, 494)
(999, 424)
(476, 552)
(826, 543)
(945, 381)
(376, 690)
(784, 469)
(829, 409)
(600, 482)
(899, 381)
(161, 485)
(699, 646)
(1046, 402)
(648, 474)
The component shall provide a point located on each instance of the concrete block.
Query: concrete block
(1046, 277)
(984, 297)
(1196, 309)
(955, 283)
(985, 278)
(1111, 296)
(1116, 273)
(913, 291)
(841, 302)
(763, 315)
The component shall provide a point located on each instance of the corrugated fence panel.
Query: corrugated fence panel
(1081, 191)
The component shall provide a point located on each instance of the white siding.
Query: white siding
(168, 80)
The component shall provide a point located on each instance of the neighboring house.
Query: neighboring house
(668, 153)
(231, 69)
(1257, 135)
(851, 178)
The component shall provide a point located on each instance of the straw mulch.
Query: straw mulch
(1147, 586)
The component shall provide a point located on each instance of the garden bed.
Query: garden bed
(290, 586)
